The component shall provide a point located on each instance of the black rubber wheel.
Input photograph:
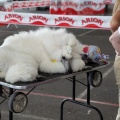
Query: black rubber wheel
(95, 78)
(17, 102)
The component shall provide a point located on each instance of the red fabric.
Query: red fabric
(85, 49)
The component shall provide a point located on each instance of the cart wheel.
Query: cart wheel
(17, 102)
(95, 78)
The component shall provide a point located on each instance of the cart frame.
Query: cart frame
(51, 78)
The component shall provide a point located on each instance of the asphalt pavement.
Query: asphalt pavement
(44, 101)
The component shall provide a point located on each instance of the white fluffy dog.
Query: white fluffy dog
(23, 55)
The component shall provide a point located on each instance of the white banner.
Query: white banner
(68, 7)
(67, 21)
(8, 7)
(77, 7)
(29, 4)
(42, 3)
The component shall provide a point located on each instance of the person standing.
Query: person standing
(115, 21)
(115, 41)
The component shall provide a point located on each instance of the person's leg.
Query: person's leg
(117, 76)
(115, 41)
(118, 114)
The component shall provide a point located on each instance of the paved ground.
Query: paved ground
(44, 101)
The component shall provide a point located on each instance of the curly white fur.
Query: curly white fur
(23, 54)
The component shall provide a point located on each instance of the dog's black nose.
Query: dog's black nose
(63, 58)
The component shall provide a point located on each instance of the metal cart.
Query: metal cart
(17, 101)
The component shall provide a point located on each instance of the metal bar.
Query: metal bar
(1, 90)
(76, 81)
(106, 8)
(31, 90)
(0, 95)
(10, 113)
(61, 110)
(82, 104)
(0, 103)
(88, 90)
(0, 113)
(74, 88)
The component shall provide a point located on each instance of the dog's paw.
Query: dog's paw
(67, 52)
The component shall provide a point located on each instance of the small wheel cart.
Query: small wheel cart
(17, 101)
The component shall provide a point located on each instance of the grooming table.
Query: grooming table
(17, 101)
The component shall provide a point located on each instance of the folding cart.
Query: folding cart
(17, 101)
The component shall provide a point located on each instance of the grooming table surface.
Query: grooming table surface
(50, 77)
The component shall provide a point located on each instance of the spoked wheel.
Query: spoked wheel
(95, 78)
(17, 102)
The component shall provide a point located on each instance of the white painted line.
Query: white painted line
(83, 94)
(86, 33)
(30, 117)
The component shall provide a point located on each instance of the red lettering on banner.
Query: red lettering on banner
(34, 17)
(71, 4)
(105, 1)
(88, 3)
(53, 4)
(101, 4)
(59, 3)
(28, 4)
(13, 16)
(64, 19)
(56, 4)
(88, 20)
